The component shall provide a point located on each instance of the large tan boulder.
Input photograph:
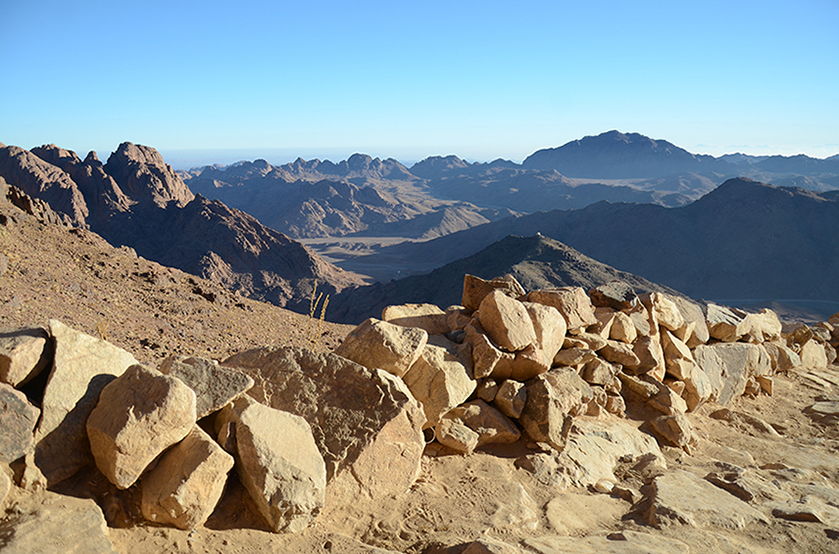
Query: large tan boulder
(485, 355)
(24, 353)
(214, 386)
(729, 367)
(82, 366)
(677, 357)
(475, 289)
(782, 357)
(490, 424)
(277, 461)
(186, 484)
(366, 422)
(694, 319)
(425, 316)
(552, 398)
(617, 295)
(664, 309)
(650, 356)
(439, 380)
(622, 329)
(377, 344)
(761, 327)
(724, 324)
(813, 355)
(550, 328)
(138, 416)
(511, 398)
(506, 321)
(456, 435)
(572, 302)
(620, 353)
(17, 423)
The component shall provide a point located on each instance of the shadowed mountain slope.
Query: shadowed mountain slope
(536, 262)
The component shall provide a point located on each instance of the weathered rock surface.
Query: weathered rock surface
(813, 355)
(620, 353)
(673, 430)
(723, 324)
(572, 302)
(677, 357)
(664, 310)
(214, 386)
(277, 461)
(378, 344)
(619, 542)
(623, 329)
(439, 380)
(782, 358)
(729, 366)
(511, 398)
(552, 398)
(17, 423)
(614, 294)
(506, 321)
(679, 497)
(186, 484)
(139, 415)
(486, 545)
(24, 353)
(425, 316)
(456, 435)
(81, 368)
(490, 424)
(56, 524)
(366, 423)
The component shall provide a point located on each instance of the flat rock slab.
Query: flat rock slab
(83, 365)
(24, 353)
(366, 423)
(17, 423)
(618, 542)
(682, 498)
(214, 386)
(56, 524)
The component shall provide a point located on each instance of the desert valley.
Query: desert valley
(615, 345)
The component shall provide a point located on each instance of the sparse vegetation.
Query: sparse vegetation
(314, 329)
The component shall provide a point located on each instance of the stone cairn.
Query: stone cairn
(303, 430)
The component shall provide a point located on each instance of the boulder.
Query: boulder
(439, 380)
(456, 435)
(17, 423)
(762, 326)
(139, 415)
(490, 424)
(592, 341)
(667, 401)
(366, 422)
(641, 319)
(695, 319)
(82, 366)
(620, 353)
(698, 389)
(664, 310)
(673, 430)
(475, 289)
(277, 461)
(458, 317)
(424, 316)
(617, 295)
(573, 356)
(677, 357)
(487, 390)
(813, 355)
(623, 329)
(782, 358)
(485, 355)
(679, 497)
(526, 364)
(506, 321)
(729, 366)
(378, 344)
(650, 356)
(572, 302)
(186, 484)
(511, 398)
(24, 353)
(723, 324)
(599, 372)
(52, 523)
(214, 386)
(552, 398)
(549, 326)
(605, 318)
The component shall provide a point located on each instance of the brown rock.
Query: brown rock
(186, 484)
(605, 318)
(511, 398)
(599, 372)
(24, 353)
(677, 357)
(278, 462)
(456, 435)
(82, 366)
(366, 422)
(526, 364)
(491, 425)
(723, 324)
(487, 390)
(458, 317)
(17, 423)
(213, 386)
(378, 344)
(506, 321)
(620, 353)
(668, 402)
(614, 294)
(623, 329)
(475, 289)
(782, 358)
(139, 415)
(573, 356)
(664, 310)
(484, 354)
(650, 356)
(424, 316)
(552, 398)
(572, 302)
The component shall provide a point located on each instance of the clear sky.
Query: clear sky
(480, 79)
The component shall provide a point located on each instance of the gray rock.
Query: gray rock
(186, 484)
(366, 423)
(82, 366)
(139, 415)
(24, 353)
(278, 462)
(214, 386)
(17, 423)
(56, 524)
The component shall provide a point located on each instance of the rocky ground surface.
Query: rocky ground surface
(761, 475)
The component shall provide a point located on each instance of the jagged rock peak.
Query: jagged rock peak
(55, 155)
(145, 177)
(92, 158)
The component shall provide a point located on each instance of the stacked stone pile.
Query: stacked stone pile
(305, 430)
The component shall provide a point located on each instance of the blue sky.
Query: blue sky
(411, 79)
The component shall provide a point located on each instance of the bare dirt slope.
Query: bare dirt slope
(152, 311)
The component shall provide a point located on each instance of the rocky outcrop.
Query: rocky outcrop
(146, 178)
